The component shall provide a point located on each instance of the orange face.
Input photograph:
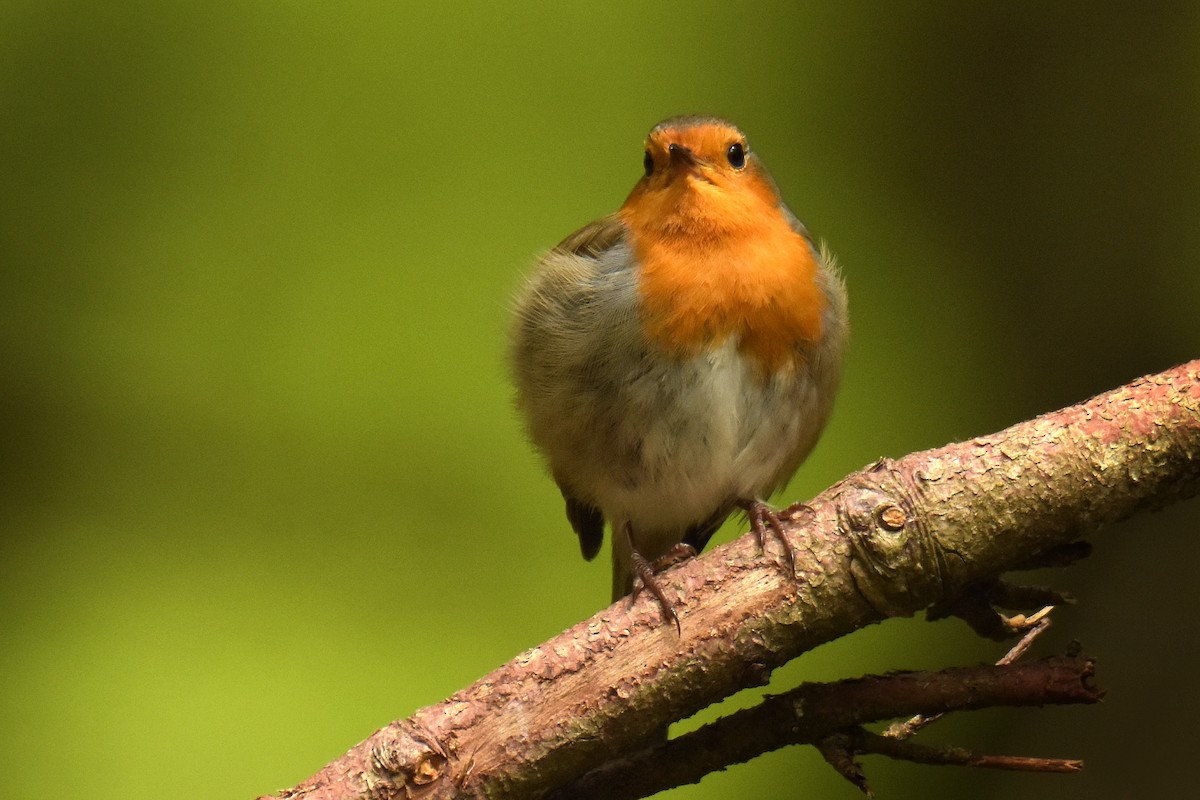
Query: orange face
(701, 178)
(717, 254)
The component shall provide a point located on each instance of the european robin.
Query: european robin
(677, 360)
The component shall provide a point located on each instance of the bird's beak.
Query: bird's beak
(682, 156)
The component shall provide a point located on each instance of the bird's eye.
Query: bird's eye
(648, 163)
(736, 155)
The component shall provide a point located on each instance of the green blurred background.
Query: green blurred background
(262, 488)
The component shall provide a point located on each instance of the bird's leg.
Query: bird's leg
(645, 571)
(763, 518)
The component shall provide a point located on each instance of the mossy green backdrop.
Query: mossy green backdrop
(262, 487)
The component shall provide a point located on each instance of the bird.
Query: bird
(677, 360)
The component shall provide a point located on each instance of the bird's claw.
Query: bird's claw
(763, 518)
(646, 571)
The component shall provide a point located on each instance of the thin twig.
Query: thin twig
(1041, 623)
(825, 714)
(867, 742)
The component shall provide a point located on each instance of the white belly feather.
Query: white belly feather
(647, 438)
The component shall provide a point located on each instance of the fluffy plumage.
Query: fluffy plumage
(679, 358)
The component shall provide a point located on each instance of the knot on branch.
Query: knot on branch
(896, 562)
(405, 760)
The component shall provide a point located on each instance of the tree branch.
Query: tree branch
(893, 539)
(829, 715)
(1039, 623)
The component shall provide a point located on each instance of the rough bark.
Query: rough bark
(890, 540)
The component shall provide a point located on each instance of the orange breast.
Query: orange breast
(756, 282)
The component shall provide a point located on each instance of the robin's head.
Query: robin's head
(700, 176)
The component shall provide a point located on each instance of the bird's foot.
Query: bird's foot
(645, 573)
(764, 519)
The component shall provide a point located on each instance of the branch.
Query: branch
(829, 715)
(1040, 624)
(893, 539)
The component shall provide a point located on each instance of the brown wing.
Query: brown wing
(589, 242)
(594, 238)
